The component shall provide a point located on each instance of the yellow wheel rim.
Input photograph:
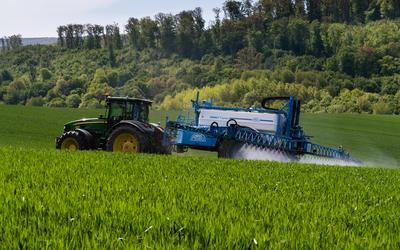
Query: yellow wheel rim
(126, 142)
(70, 144)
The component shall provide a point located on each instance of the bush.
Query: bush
(6, 76)
(337, 108)
(45, 74)
(73, 101)
(381, 108)
(16, 93)
(57, 103)
(92, 104)
(287, 76)
(36, 101)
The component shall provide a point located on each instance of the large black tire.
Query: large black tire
(229, 149)
(140, 143)
(72, 140)
(163, 150)
(225, 149)
(159, 146)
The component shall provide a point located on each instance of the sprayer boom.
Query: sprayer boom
(229, 130)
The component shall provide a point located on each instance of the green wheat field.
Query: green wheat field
(87, 200)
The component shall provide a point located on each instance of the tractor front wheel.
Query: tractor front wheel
(71, 141)
(126, 139)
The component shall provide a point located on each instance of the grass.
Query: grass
(89, 200)
(373, 139)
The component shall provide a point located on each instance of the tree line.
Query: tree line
(89, 36)
(292, 25)
(11, 42)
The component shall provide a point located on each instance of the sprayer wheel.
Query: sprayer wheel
(227, 148)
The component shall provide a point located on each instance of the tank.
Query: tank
(260, 121)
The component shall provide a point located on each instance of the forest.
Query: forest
(337, 56)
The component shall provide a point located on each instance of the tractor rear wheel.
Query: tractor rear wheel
(72, 141)
(127, 139)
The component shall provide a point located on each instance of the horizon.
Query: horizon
(46, 15)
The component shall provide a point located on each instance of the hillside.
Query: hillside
(336, 60)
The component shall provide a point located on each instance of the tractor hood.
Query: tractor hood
(82, 123)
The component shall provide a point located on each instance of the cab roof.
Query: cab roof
(128, 99)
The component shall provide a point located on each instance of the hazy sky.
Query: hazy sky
(40, 18)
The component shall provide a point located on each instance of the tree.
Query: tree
(366, 62)
(108, 40)
(199, 22)
(89, 39)
(389, 8)
(15, 41)
(3, 44)
(249, 59)
(233, 10)
(6, 75)
(167, 27)
(133, 30)
(198, 27)
(149, 30)
(73, 101)
(316, 45)
(233, 36)
(117, 40)
(98, 32)
(8, 47)
(298, 36)
(60, 33)
(279, 34)
(216, 31)
(78, 35)
(16, 93)
(185, 31)
(69, 36)
(346, 61)
(45, 74)
(314, 9)
(299, 8)
(284, 8)
(345, 10)
(247, 8)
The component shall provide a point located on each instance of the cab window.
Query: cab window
(117, 111)
(138, 112)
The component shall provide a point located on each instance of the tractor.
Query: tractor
(124, 128)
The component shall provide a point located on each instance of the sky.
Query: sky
(40, 18)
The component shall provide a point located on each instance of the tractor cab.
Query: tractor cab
(125, 108)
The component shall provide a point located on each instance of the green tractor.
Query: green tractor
(124, 128)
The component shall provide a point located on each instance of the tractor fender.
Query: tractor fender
(142, 127)
(87, 135)
(157, 127)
